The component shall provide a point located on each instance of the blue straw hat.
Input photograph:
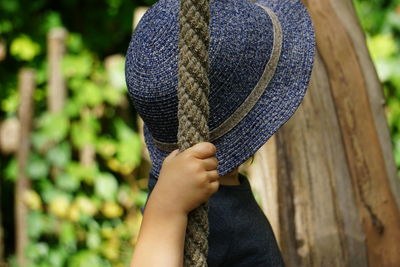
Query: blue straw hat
(261, 56)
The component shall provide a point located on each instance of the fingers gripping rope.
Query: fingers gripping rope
(193, 110)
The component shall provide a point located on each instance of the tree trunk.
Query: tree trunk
(332, 192)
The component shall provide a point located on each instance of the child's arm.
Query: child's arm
(186, 180)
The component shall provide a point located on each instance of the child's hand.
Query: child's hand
(187, 179)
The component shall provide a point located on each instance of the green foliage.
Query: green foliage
(88, 214)
(81, 213)
(381, 22)
(24, 48)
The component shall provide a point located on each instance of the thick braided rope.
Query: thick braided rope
(193, 110)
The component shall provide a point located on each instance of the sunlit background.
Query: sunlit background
(86, 163)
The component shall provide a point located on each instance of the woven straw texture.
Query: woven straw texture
(241, 39)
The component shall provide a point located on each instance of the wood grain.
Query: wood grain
(333, 168)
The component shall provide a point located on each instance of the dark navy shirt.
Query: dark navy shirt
(240, 233)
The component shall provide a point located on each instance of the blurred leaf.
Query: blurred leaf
(57, 257)
(116, 72)
(36, 224)
(93, 240)
(72, 108)
(32, 199)
(77, 65)
(395, 81)
(83, 173)
(24, 48)
(74, 42)
(37, 167)
(51, 20)
(113, 6)
(86, 258)
(125, 196)
(393, 20)
(5, 26)
(110, 248)
(130, 147)
(106, 186)
(59, 155)
(59, 205)
(397, 150)
(112, 210)
(10, 6)
(67, 234)
(67, 182)
(10, 104)
(140, 198)
(10, 172)
(42, 76)
(86, 205)
(89, 94)
(371, 17)
(384, 69)
(38, 140)
(39, 95)
(49, 192)
(111, 95)
(106, 147)
(382, 46)
(394, 111)
(85, 132)
(54, 125)
(37, 250)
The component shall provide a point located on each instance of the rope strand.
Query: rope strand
(193, 110)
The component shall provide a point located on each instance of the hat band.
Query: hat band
(254, 95)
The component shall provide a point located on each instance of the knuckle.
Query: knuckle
(212, 148)
(216, 162)
(214, 174)
(214, 187)
(201, 179)
(197, 166)
(207, 146)
(193, 166)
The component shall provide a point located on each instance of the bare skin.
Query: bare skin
(162, 233)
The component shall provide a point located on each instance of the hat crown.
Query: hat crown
(241, 41)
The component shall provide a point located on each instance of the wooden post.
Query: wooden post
(56, 87)
(137, 15)
(367, 150)
(87, 153)
(56, 94)
(3, 49)
(9, 135)
(26, 84)
(264, 183)
(313, 197)
(332, 183)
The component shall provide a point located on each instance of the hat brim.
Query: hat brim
(279, 101)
